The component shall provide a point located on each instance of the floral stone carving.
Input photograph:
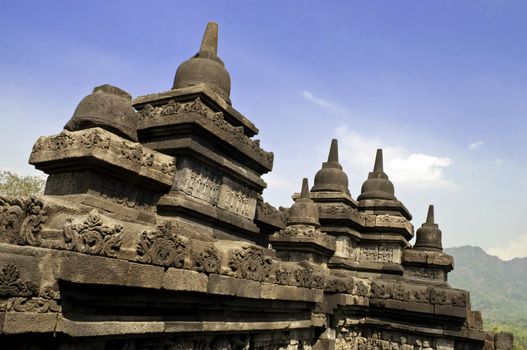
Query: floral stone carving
(250, 263)
(21, 220)
(92, 237)
(12, 286)
(208, 260)
(163, 246)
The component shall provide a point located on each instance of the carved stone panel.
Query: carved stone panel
(358, 338)
(198, 181)
(425, 273)
(346, 248)
(380, 253)
(369, 253)
(237, 199)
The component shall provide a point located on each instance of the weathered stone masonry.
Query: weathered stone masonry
(153, 234)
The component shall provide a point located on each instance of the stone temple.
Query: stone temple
(153, 234)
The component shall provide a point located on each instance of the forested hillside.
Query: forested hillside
(498, 288)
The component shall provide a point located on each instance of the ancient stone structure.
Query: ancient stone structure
(153, 234)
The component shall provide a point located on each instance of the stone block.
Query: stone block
(25, 322)
(226, 285)
(489, 341)
(84, 268)
(279, 292)
(449, 310)
(106, 328)
(418, 307)
(503, 341)
(145, 276)
(185, 280)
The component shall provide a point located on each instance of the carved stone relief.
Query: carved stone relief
(425, 273)
(346, 248)
(237, 199)
(12, 285)
(163, 247)
(380, 253)
(357, 338)
(369, 253)
(93, 237)
(250, 262)
(21, 220)
(208, 261)
(210, 118)
(198, 181)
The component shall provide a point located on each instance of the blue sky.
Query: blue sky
(440, 85)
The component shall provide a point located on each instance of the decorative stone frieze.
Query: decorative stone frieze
(163, 247)
(92, 236)
(250, 262)
(74, 148)
(21, 220)
(174, 113)
(12, 285)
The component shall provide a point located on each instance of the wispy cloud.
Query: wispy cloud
(402, 166)
(475, 145)
(498, 161)
(516, 248)
(319, 101)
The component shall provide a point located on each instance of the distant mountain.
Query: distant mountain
(498, 288)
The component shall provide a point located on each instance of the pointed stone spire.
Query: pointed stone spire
(305, 189)
(304, 210)
(377, 186)
(331, 177)
(210, 39)
(430, 214)
(206, 67)
(428, 236)
(378, 167)
(333, 151)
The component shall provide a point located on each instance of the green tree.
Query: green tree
(12, 184)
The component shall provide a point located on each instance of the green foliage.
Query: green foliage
(497, 288)
(12, 184)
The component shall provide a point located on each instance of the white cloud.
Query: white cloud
(498, 161)
(402, 166)
(418, 167)
(319, 101)
(475, 145)
(516, 248)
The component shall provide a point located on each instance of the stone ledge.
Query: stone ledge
(205, 123)
(219, 284)
(278, 292)
(29, 322)
(204, 92)
(103, 328)
(98, 148)
(185, 280)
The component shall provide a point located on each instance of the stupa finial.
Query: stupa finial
(378, 167)
(333, 151)
(430, 215)
(305, 189)
(210, 39)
